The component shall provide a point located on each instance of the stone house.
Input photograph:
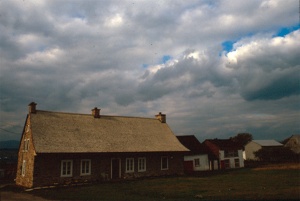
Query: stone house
(224, 154)
(197, 158)
(65, 148)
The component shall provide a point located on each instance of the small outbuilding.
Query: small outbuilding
(197, 158)
(256, 145)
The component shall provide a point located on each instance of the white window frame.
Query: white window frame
(142, 164)
(27, 128)
(129, 165)
(23, 170)
(63, 162)
(236, 162)
(227, 163)
(231, 153)
(87, 163)
(197, 162)
(26, 145)
(162, 165)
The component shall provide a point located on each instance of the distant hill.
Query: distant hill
(9, 144)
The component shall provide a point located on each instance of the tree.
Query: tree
(242, 138)
(276, 154)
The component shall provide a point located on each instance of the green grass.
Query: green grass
(242, 184)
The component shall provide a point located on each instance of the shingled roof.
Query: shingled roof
(267, 143)
(225, 144)
(193, 144)
(56, 132)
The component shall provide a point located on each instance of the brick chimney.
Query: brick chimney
(32, 108)
(96, 112)
(161, 117)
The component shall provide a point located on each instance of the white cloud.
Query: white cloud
(47, 57)
(73, 56)
(114, 21)
(263, 64)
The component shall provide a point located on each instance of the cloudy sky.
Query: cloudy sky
(216, 68)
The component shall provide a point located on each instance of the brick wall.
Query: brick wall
(153, 165)
(48, 167)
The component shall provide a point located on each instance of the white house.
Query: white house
(197, 158)
(256, 145)
(225, 154)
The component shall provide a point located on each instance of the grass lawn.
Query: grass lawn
(242, 184)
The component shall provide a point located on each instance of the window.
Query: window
(66, 168)
(26, 144)
(227, 163)
(164, 163)
(129, 165)
(231, 153)
(27, 128)
(197, 162)
(23, 171)
(141, 164)
(85, 168)
(237, 163)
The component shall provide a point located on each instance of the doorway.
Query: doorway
(115, 168)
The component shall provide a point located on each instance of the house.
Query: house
(224, 154)
(293, 143)
(256, 145)
(197, 158)
(59, 148)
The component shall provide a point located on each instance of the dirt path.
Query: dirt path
(13, 196)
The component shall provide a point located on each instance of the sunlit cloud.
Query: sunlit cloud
(214, 67)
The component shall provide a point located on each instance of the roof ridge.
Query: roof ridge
(73, 113)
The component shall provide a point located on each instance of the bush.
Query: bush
(277, 154)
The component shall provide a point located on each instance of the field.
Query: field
(268, 183)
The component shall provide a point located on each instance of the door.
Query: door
(115, 168)
(188, 167)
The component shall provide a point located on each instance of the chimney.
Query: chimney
(96, 112)
(161, 117)
(32, 107)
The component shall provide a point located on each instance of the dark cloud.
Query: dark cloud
(267, 68)
(284, 86)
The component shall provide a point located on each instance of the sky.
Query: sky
(215, 68)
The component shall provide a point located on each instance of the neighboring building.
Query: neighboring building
(64, 148)
(224, 154)
(256, 145)
(293, 143)
(197, 158)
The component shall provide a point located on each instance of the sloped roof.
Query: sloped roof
(295, 137)
(225, 144)
(267, 143)
(55, 132)
(293, 143)
(192, 143)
